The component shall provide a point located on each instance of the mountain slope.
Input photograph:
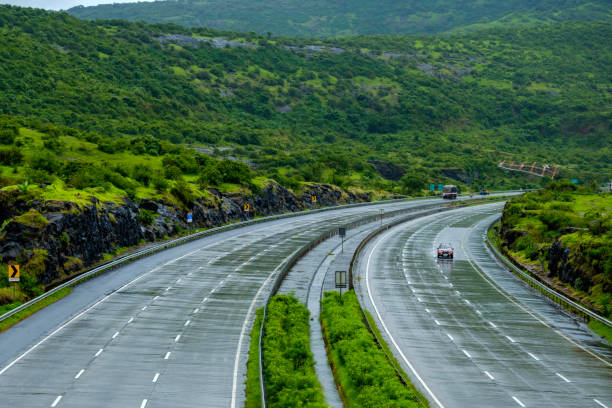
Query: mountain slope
(328, 111)
(351, 17)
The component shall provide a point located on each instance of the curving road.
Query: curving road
(468, 332)
(168, 330)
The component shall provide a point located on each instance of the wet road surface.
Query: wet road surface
(469, 332)
(168, 330)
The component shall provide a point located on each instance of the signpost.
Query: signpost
(247, 207)
(314, 199)
(340, 280)
(440, 187)
(432, 187)
(13, 276)
(189, 217)
(342, 233)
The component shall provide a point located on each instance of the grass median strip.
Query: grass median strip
(17, 317)
(289, 372)
(364, 374)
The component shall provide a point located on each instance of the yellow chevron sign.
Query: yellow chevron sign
(13, 273)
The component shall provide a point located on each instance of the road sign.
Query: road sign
(342, 231)
(340, 279)
(432, 187)
(13, 273)
(314, 198)
(575, 181)
(247, 207)
(189, 217)
(440, 187)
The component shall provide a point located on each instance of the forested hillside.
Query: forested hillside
(322, 18)
(413, 109)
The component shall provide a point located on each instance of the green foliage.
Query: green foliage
(352, 17)
(291, 380)
(146, 217)
(252, 389)
(183, 191)
(365, 376)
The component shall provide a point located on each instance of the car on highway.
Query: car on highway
(445, 250)
(484, 191)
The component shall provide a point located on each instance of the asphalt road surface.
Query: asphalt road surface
(468, 332)
(168, 330)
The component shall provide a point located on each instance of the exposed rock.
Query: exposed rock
(388, 170)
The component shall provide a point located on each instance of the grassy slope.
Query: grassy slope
(463, 102)
(329, 19)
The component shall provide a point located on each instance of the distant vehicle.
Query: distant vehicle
(484, 191)
(449, 192)
(445, 250)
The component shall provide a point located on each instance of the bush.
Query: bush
(142, 173)
(45, 161)
(289, 372)
(10, 156)
(146, 217)
(234, 172)
(365, 376)
(184, 193)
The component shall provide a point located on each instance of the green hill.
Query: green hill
(352, 17)
(342, 111)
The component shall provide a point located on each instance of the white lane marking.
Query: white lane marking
(99, 352)
(534, 356)
(563, 378)
(382, 322)
(518, 401)
(189, 274)
(156, 377)
(492, 325)
(168, 288)
(178, 280)
(221, 283)
(213, 291)
(144, 403)
(412, 289)
(136, 279)
(600, 403)
(529, 312)
(446, 277)
(427, 310)
(511, 339)
(247, 319)
(115, 335)
(167, 356)
(156, 297)
(488, 374)
(450, 337)
(458, 293)
(196, 310)
(204, 300)
(187, 323)
(176, 339)
(466, 301)
(437, 322)
(131, 320)
(144, 308)
(57, 400)
(419, 299)
(80, 373)
(450, 285)
(466, 353)
(479, 313)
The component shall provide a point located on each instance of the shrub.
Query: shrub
(142, 173)
(365, 376)
(288, 363)
(234, 172)
(146, 217)
(45, 161)
(10, 156)
(184, 193)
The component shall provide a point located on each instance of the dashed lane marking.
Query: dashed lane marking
(488, 374)
(167, 356)
(466, 353)
(450, 337)
(511, 339)
(492, 325)
(563, 378)
(176, 339)
(99, 352)
(143, 404)
(187, 323)
(56, 401)
(115, 335)
(536, 358)
(155, 377)
(437, 322)
(601, 404)
(79, 374)
(518, 401)
(131, 320)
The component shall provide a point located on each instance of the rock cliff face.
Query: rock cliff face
(72, 237)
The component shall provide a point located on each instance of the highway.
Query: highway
(168, 330)
(467, 331)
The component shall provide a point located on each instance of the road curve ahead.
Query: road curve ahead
(175, 334)
(468, 332)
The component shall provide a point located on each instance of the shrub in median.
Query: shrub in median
(288, 363)
(365, 376)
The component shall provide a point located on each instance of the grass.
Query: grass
(17, 317)
(253, 391)
(601, 329)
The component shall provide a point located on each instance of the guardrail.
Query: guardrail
(543, 287)
(181, 240)
(445, 206)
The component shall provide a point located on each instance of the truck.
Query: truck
(449, 192)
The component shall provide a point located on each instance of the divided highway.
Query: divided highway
(468, 332)
(168, 330)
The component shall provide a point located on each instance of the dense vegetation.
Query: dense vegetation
(343, 18)
(438, 108)
(568, 231)
(291, 380)
(365, 376)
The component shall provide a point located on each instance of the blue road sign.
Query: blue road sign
(189, 216)
(440, 187)
(575, 181)
(432, 187)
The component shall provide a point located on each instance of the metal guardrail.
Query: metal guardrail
(181, 240)
(543, 287)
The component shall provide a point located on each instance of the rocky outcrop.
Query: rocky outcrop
(74, 236)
